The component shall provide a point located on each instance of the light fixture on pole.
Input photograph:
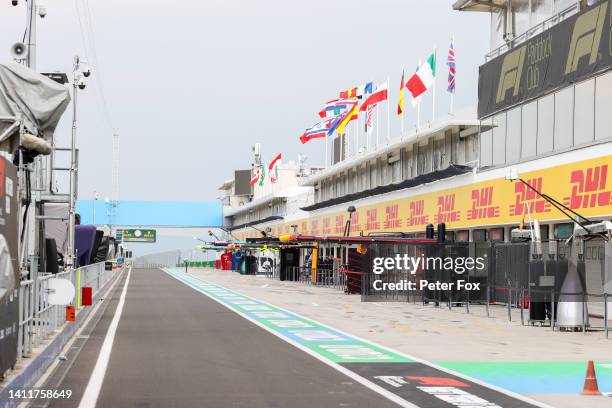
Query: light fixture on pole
(78, 83)
(108, 212)
(211, 234)
(96, 196)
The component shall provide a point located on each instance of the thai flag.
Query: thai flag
(450, 61)
(336, 107)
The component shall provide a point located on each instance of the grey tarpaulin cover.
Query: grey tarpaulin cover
(39, 100)
(57, 228)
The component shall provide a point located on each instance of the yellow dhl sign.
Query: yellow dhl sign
(582, 186)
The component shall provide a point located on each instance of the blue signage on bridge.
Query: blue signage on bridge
(152, 213)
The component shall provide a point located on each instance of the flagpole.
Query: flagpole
(368, 138)
(452, 99)
(347, 141)
(433, 108)
(388, 115)
(358, 141)
(326, 150)
(419, 105)
(403, 109)
(377, 127)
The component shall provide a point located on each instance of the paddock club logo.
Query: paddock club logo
(586, 37)
(387, 270)
(511, 73)
(568, 52)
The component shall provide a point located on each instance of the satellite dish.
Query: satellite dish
(60, 292)
(19, 50)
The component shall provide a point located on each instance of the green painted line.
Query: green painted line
(325, 341)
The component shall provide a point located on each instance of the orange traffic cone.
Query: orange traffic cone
(590, 383)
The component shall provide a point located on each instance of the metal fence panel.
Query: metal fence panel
(37, 318)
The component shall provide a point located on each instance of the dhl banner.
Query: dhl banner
(584, 186)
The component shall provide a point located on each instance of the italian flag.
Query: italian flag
(423, 79)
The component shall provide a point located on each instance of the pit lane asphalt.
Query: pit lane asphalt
(175, 347)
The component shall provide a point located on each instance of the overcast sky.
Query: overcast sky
(192, 84)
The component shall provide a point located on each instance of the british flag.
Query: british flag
(450, 61)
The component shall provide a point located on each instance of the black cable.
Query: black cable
(27, 203)
(560, 207)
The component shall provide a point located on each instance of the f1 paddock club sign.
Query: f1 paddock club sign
(139, 235)
(568, 52)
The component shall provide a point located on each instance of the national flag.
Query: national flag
(256, 175)
(415, 101)
(317, 131)
(423, 79)
(400, 102)
(378, 96)
(365, 89)
(349, 93)
(346, 119)
(336, 107)
(450, 61)
(273, 168)
(358, 91)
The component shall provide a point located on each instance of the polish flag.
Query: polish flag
(380, 95)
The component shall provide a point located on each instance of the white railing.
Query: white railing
(533, 31)
(37, 318)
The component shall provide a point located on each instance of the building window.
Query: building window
(544, 232)
(499, 139)
(529, 129)
(546, 121)
(563, 231)
(496, 234)
(462, 236)
(584, 112)
(564, 118)
(438, 153)
(407, 164)
(373, 176)
(421, 159)
(603, 107)
(479, 235)
(513, 135)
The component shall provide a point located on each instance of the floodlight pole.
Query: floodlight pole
(31, 38)
(76, 78)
